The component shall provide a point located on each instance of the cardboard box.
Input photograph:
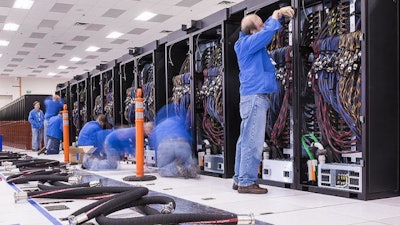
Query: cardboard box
(76, 154)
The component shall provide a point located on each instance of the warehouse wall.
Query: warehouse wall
(10, 88)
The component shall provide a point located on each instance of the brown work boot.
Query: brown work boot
(235, 186)
(252, 189)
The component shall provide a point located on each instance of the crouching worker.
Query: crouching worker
(54, 133)
(117, 145)
(173, 144)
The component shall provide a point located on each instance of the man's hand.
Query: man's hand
(287, 11)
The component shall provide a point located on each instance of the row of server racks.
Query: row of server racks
(332, 128)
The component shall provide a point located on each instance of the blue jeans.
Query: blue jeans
(36, 138)
(253, 111)
(45, 123)
(171, 154)
(53, 145)
(96, 161)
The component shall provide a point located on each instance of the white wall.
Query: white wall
(9, 86)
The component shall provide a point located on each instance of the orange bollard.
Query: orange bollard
(66, 133)
(139, 122)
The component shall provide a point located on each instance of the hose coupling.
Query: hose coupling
(20, 196)
(75, 179)
(74, 220)
(167, 208)
(246, 219)
(95, 183)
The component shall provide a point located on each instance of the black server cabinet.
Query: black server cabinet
(127, 81)
(96, 94)
(348, 124)
(80, 100)
(213, 102)
(150, 77)
(63, 90)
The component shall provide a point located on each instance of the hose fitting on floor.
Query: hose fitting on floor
(168, 208)
(95, 183)
(75, 179)
(20, 196)
(74, 220)
(246, 219)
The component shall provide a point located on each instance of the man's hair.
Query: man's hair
(248, 24)
(102, 118)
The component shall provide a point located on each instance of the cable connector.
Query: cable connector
(95, 183)
(246, 219)
(20, 196)
(167, 208)
(75, 179)
(6, 163)
(74, 220)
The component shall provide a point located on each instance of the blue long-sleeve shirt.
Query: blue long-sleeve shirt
(122, 140)
(36, 118)
(87, 135)
(52, 107)
(55, 127)
(257, 73)
(168, 129)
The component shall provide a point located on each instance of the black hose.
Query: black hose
(169, 218)
(42, 178)
(58, 187)
(79, 192)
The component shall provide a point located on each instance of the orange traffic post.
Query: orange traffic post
(139, 122)
(139, 127)
(66, 133)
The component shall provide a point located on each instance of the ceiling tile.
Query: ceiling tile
(68, 47)
(81, 63)
(42, 66)
(187, 3)
(12, 65)
(50, 61)
(5, 74)
(72, 68)
(80, 38)
(137, 31)
(29, 45)
(17, 59)
(22, 53)
(3, 19)
(37, 35)
(91, 57)
(104, 49)
(61, 8)
(63, 72)
(6, 3)
(113, 13)
(58, 55)
(119, 41)
(31, 75)
(36, 71)
(47, 24)
(95, 27)
(160, 18)
(8, 70)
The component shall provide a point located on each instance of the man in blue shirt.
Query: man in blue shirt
(36, 118)
(53, 104)
(257, 79)
(88, 134)
(117, 145)
(54, 135)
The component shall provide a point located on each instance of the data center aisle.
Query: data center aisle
(280, 206)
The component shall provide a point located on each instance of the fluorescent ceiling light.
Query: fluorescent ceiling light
(92, 49)
(23, 4)
(62, 67)
(1, 55)
(51, 74)
(75, 59)
(11, 26)
(145, 16)
(4, 43)
(114, 35)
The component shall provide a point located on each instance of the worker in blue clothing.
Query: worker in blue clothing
(173, 144)
(54, 135)
(88, 134)
(118, 144)
(257, 79)
(53, 104)
(36, 119)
